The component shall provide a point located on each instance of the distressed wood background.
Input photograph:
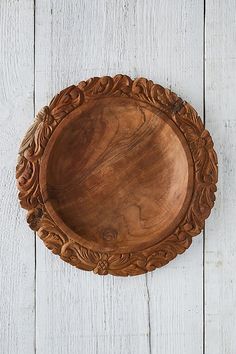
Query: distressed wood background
(187, 307)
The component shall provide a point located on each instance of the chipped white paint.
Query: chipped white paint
(50, 307)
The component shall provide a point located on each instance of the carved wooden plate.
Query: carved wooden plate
(117, 175)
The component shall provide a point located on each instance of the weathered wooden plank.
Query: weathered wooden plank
(17, 241)
(79, 312)
(175, 59)
(220, 229)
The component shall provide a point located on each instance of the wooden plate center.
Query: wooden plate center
(116, 175)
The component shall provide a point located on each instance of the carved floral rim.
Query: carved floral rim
(205, 175)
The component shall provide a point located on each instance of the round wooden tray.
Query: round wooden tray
(117, 175)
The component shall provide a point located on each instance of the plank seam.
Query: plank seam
(35, 251)
(204, 230)
(149, 319)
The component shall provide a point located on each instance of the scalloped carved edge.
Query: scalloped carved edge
(205, 167)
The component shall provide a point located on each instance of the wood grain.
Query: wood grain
(17, 310)
(220, 261)
(113, 172)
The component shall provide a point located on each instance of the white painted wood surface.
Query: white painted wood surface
(220, 256)
(47, 306)
(17, 261)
